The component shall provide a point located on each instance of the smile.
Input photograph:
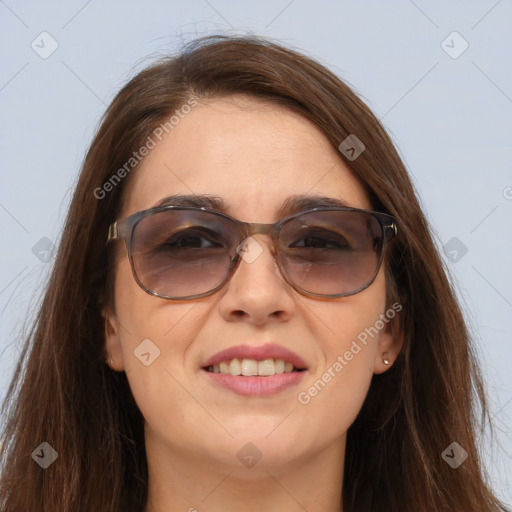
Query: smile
(251, 367)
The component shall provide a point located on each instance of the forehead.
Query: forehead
(252, 154)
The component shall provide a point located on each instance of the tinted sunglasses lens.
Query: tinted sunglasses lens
(331, 252)
(180, 253)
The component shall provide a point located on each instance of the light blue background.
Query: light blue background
(450, 118)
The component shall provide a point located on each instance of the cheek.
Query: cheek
(332, 399)
(347, 333)
(154, 336)
(144, 316)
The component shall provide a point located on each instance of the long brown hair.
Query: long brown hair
(64, 394)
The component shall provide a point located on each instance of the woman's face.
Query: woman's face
(254, 156)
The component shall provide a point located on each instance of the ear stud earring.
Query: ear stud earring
(385, 361)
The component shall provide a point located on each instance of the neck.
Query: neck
(183, 480)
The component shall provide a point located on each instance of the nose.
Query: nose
(257, 292)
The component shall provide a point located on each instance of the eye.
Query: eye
(187, 239)
(321, 240)
(193, 239)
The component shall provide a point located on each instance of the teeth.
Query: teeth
(235, 367)
(252, 367)
(249, 367)
(266, 367)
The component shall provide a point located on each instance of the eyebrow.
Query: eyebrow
(291, 205)
(301, 202)
(199, 201)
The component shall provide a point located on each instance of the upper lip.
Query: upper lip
(261, 352)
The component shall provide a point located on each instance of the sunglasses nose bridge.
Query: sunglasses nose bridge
(251, 229)
(259, 229)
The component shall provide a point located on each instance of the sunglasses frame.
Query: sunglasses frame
(125, 228)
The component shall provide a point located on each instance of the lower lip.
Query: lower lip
(256, 386)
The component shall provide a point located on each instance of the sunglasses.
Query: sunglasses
(187, 252)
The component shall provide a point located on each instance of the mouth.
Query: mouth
(255, 371)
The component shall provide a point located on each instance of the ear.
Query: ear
(113, 352)
(389, 345)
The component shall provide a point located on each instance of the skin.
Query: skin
(193, 428)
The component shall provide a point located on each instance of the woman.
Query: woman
(247, 311)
